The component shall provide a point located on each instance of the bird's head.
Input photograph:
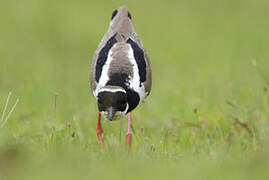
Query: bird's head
(112, 102)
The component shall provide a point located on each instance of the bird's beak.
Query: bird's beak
(111, 112)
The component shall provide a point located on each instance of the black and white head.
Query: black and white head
(112, 102)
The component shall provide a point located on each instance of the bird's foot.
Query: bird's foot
(100, 138)
(99, 131)
(128, 141)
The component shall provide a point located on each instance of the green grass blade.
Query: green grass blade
(260, 72)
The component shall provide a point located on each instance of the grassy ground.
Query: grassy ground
(207, 115)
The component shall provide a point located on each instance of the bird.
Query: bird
(120, 75)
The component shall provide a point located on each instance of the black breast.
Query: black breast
(122, 80)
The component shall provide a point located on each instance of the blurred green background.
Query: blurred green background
(207, 114)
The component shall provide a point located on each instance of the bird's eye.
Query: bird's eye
(99, 101)
(123, 105)
(129, 15)
(114, 14)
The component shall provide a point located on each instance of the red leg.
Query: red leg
(128, 138)
(99, 131)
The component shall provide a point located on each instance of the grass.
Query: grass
(207, 114)
(5, 117)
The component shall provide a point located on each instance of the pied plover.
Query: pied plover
(120, 73)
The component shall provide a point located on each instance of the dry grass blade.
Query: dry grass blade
(242, 124)
(5, 108)
(3, 118)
